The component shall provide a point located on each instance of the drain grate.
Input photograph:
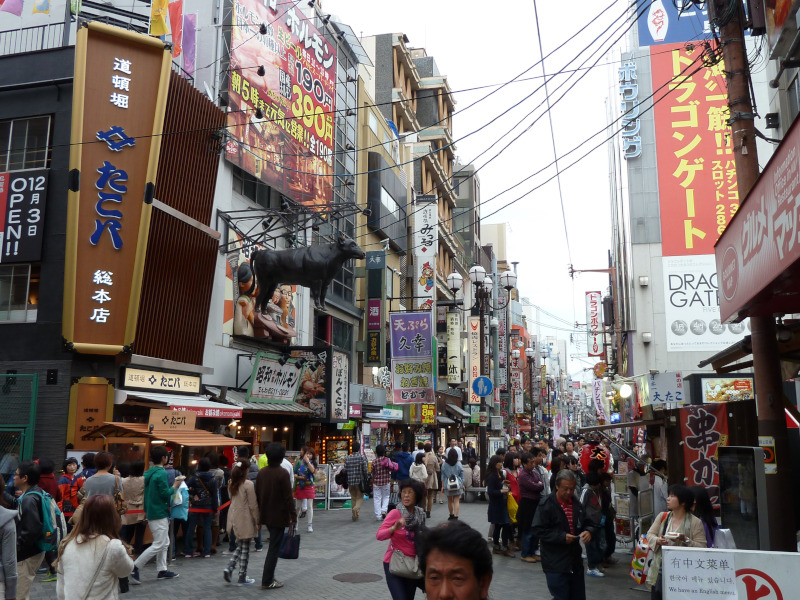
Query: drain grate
(357, 577)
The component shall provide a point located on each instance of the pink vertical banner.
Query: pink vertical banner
(189, 38)
(176, 25)
(12, 6)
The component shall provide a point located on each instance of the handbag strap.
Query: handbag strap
(96, 571)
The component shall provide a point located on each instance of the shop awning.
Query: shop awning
(239, 400)
(457, 411)
(193, 437)
(445, 421)
(199, 404)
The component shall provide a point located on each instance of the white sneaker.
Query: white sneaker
(246, 581)
(310, 528)
(595, 573)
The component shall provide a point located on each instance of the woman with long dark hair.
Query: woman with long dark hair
(703, 510)
(92, 557)
(498, 505)
(453, 471)
(242, 520)
(304, 491)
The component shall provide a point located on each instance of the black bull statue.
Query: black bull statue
(313, 267)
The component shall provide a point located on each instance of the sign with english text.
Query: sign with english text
(594, 324)
(23, 197)
(413, 380)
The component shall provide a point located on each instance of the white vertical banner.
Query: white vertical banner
(424, 283)
(597, 395)
(426, 227)
(474, 337)
(340, 387)
(594, 336)
(453, 347)
(502, 340)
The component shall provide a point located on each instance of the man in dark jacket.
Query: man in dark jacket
(559, 524)
(404, 462)
(29, 525)
(276, 507)
(530, 488)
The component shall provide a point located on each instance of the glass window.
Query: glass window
(342, 334)
(19, 293)
(793, 99)
(250, 187)
(389, 203)
(24, 144)
(373, 123)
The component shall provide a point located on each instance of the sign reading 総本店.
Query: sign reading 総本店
(412, 357)
(120, 89)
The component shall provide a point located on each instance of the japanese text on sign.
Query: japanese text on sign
(22, 204)
(703, 429)
(629, 105)
(340, 386)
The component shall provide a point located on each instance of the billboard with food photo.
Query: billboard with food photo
(281, 100)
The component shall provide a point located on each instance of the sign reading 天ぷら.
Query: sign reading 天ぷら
(288, 73)
(120, 89)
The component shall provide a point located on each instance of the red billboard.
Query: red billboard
(697, 187)
(703, 430)
(281, 97)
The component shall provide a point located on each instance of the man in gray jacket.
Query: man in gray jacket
(8, 552)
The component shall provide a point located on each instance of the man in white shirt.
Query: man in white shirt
(660, 487)
(454, 444)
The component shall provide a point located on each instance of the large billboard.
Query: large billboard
(671, 22)
(121, 83)
(281, 100)
(411, 336)
(697, 187)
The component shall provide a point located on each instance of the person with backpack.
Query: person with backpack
(8, 547)
(47, 481)
(157, 494)
(203, 505)
(30, 526)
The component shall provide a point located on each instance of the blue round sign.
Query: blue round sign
(482, 386)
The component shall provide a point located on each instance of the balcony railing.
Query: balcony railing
(31, 39)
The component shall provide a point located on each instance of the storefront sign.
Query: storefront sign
(502, 339)
(161, 381)
(597, 396)
(662, 389)
(691, 306)
(697, 187)
(288, 75)
(453, 347)
(594, 324)
(629, 106)
(121, 83)
(172, 420)
(474, 339)
(727, 389)
(211, 412)
(373, 347)
(374, 316)
(428, 414)
(354, 410)
(23, 196)
(272, 381)
(340, 386)
(91, 404)
(412, 357)
(703, 430)
(426, 227)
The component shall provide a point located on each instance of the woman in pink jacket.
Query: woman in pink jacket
(402, 526)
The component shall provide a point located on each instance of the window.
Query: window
(389, 283)
(19, 293)
(390, 204)
(250, 187)
(373, 123)
(342, 334)
(25, 144)
(793, 98)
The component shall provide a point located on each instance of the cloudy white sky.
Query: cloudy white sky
(480, 43)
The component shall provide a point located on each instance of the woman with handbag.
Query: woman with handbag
(92, 557)
(202, 506)
(497, 490)
(304, 490)
(676, 527)
(133, 524)
(242, 521)
(453, 482)
(402, 526)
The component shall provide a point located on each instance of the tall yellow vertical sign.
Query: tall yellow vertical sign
(120, 93)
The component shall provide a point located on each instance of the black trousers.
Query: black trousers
(275, 539)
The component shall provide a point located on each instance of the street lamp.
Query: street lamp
(529, 354)
(545, 352)
(483, 294)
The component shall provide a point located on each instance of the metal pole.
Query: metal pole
(481, 295)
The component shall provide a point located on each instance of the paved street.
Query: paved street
(339, 546)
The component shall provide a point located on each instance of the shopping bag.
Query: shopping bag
(290, 545)
(642, 558)
(512, 505)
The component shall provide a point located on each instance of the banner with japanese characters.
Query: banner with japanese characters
(282, 100)
(703, 429)
(594, 325)
(424, 283)
(412, 357)
(340, 387)
(453, 347)
(474, 340)
(22, 203)
(502, 339)
(691, 306)
(426, 227)
(120, 89)
(697, 187)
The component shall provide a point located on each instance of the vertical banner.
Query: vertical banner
(502, 339)
(424, 283)
(121, 83)
(474, 339)
(453, 347)
(189, 43)
(516, 390)
(340, 387)
(594, 335)
(703, 429)
(176, 25)
(412, 357)
(426, 226)
(597, 396)
(376, 297)
(697, 188)
(22, 204)
(629, 106)
(282, 100)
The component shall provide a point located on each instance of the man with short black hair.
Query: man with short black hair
(356, 467)
(29, 526)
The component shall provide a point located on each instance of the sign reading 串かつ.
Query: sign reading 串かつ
(121, 82)
(412, 357)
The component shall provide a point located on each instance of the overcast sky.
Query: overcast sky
(480, 43)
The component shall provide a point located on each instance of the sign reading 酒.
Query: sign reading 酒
(22, 204)
(288, 73)
(121, 82)
(412, 357)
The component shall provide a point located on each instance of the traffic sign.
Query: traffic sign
(482, 386)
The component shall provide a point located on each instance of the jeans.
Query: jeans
(594, 552)
(159, 528)
(380, 499)
(401, 588)
(188, 540)
(567, 586)
(135, 532)
(174, 526)
(275, 539)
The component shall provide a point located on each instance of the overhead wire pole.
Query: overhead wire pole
(728, 17)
